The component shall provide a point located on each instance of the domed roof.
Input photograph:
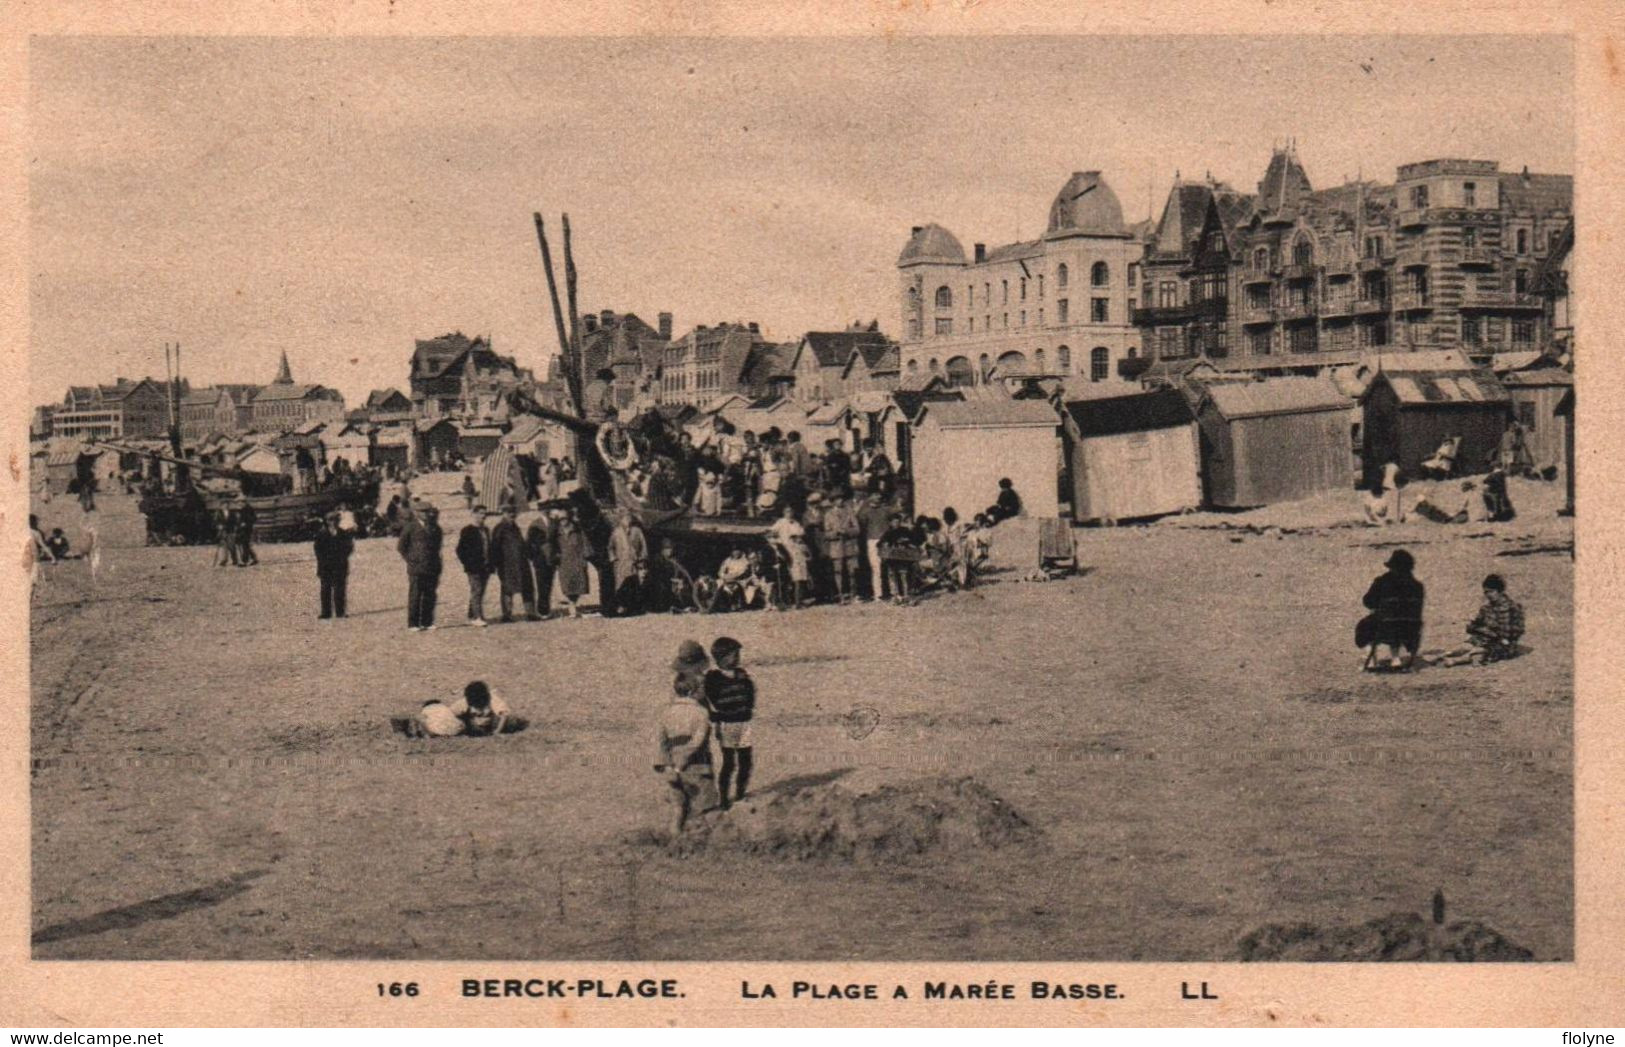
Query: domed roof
(1085, 206)
(932, 244)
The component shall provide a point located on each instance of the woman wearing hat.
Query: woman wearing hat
(1395, 600)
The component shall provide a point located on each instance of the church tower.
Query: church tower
(284, 374)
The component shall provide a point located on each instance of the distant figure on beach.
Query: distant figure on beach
(478, 712)
(683, 758)
(1382, 503)
(333, 549)
(1395, 601)
(1007, 505)
(1493, 634)
(246, 515)
(419, 545)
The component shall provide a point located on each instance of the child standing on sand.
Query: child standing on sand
(730, 695)
(684, 758)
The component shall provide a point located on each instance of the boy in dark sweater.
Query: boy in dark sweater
(730, 697)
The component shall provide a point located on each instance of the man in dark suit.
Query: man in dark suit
(419, 545)
(333, 549)
(541, 543)
(474, 553)
(510, 562)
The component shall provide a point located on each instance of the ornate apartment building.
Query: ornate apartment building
(1293, 278)
(1057, 306)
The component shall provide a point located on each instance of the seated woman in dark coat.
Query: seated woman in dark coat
(1395, 622)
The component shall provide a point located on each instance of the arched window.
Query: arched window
(945, 297)
(1060, 276)
(1303, 253)
(934, 366)
(914, 367)
(983, 366)
(1100, 362)
(1038, 361)
(1012, 362)
(960, 372)
(1099, 274)
(1063, 359)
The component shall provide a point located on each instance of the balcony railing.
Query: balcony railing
(1477, 256)
(1297, 310)
(1366, 306)
(1415, 258)
(1406, 301)
(1501, 300)
(1413, 217)
(1341, 266)
(1255, 275)
(1306, 271)
(1257, 314)
(1337, 307)
(1150, 315)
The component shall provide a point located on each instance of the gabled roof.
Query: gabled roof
(525, 429)
(1436, 388)
(1424, 360)
(379, 397)
(1135, 413)
(275, 392)
(988, 413)
(309, 426)
(423, 425)
(834, 348)
(1537, 193)
(1274, 396)
(202, 397)
(1548, 375)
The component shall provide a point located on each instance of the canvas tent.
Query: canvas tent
(1132, 456)
(1408, 414)
(961, 449)
(1277, 440)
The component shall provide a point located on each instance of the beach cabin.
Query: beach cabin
(1276, 440)
(1408, 414)
(1132, 456)
(348, 442)
(477, 441)
(437, 439)
(392, 447)
(1534, 393)
(961, 449)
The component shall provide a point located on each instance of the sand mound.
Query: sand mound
(1397, 937)
(892, 823)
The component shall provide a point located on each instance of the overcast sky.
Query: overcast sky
(339, 198)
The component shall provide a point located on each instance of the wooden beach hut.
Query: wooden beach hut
(960, 449)
(1276, 440)
(1408, 414)
(1132, 456)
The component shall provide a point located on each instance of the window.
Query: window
(987, 294)
(1469, 236)
(1221, 342)
(1419, 196)
(1097, 310)
(985, 365)
(1099, 275)
(934, 366)
(1373, 247)
(1063, 359)
(1040, 316)
(1167, 343)
(970, 295)
(1470, 333)
(1100, 362)
(1006, 299)
(1520, 281)
(1523, 241)
(1303, 339)
(1005, 322)
(1526, 416)
(914, 367)
(1167, 294)
(1261, 259)
(945, 298)
(1038, 361)
(1133, 275)
(1060, 276)
(1523, 332)
(972, 329)
(945, 325)
(1258, 343)
(1303, 253)
(1040, 285)
(1024, 289)
(1024, 318)
(987, 322)
(1061, 310)
(1469, 194)
(1193, 341)
(914, 327)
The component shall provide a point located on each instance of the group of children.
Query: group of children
(479, 712)
(706, 701)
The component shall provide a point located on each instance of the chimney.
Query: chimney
(981, 252)
(606, 318)
(753, 328)
(665, 326)
(916, 230)
(590, 322)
